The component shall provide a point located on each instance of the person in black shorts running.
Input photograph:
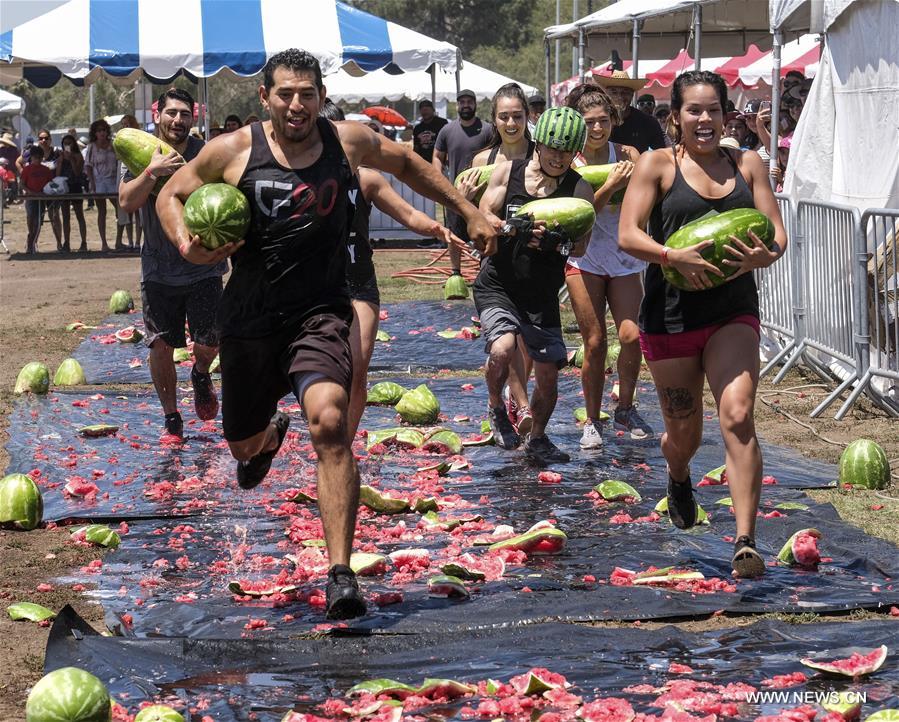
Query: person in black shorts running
(285, 314)
(173, 289)
(707, 333)
(517, 290)
(371, 188)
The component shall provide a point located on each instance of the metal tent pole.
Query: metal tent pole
(91, 104)
(558, 42)
(574, 55)
(546, 53)
(635, 49)
(433, 72)
(775, 101)
(581, 44)
(697, 36)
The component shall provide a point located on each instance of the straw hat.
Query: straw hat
(7, 139)
(619, 78)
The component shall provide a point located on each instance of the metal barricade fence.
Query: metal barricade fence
(383, 226)
(776, 284)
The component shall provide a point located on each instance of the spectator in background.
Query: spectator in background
(536, 106)
(791, 80)
(737, 129)
(661, 114)
(754, 119)
(51, 155)
(424, 134)
(647, 104)
(251, 118)
(457, 142)
(102, 171)
(125, 221)
(70, 165)
(34, 177)
(8, 181)
(232, 123)
(215, 131)
(637, 129)
(9, 152)
(779, 172)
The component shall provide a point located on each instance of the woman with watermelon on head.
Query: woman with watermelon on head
(511, 141)
(371, 188)
(710, 332)
(606, 274)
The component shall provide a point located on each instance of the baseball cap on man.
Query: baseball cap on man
(536, 99)
(466, 93)
(425, 103)
(752, 106)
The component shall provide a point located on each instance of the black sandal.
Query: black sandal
(681, 504)
(747, 563)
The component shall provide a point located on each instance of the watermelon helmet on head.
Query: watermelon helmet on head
(562, 129)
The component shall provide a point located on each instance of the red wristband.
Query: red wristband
(149, 174)
(665, 262)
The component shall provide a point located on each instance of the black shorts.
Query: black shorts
(366, 290)
(165, 309)
(256, 372)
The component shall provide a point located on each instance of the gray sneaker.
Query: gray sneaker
(504, 433)
(629, 420)
(543, 451)
(592, 437)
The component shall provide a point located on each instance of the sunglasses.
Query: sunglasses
(645, 103)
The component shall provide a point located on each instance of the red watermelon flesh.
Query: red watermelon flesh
(612, 709)
(805, 550)
(857, 664)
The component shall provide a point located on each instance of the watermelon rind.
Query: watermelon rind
(69, 373)
(21, 503)
(443, 441)
(377, 687)
(68, 694)
(878, 656)
(159, 713)
(847, 704)
(29, 611)
(367, 565)
(864, 465)
(785, 555)
(614, 490)
(576, 216)
(129, 335)
(34, 378)
(530, 539)
(382, 336)
(121, 302)
(448, 586)
(385, 393)
(380, 504)
(218, 213)
(702, 516)
(580, 415)
(418, 406)
(718, 228)
(455, 288)
(180, 355)
(101, 535)
(884, 715)
(97, 430)
(447, 688)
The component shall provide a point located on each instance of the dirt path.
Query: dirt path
(39, 296)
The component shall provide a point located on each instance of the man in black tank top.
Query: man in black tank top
(516, 291)
(286, 310)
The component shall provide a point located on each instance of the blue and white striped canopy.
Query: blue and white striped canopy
(82, 38)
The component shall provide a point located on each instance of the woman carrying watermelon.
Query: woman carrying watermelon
(511, 141)
(371, 188)
(710, 332)
(606, 274)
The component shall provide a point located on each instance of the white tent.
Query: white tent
(846, 148)
(379, 85)
(10, 103)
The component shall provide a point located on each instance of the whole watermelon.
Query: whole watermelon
(135, 148)
(68, 695)
(419, 406)
(575, 215)
(864, 464)
(484, 173)
(69, 373)
(21, 503)
(34, 378)
(596, 176)
(455, 288)
(218, 213)
(121, 302)
(159, 713)
(719, 229)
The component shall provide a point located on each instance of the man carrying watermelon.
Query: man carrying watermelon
(172, 288)
(516, 291)
(285, 314)
(700, 320)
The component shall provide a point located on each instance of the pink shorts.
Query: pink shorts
(661, 346)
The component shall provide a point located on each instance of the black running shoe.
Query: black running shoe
(342, 593)
(174, 425)
(747, 563)
(206, 402)
(251, 473)
(504, 433)
(543, 451)
(681, 504)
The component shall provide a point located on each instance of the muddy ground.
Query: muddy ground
(39, 295)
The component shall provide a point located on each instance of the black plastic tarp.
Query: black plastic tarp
(240, 679)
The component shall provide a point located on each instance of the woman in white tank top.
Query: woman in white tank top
(605, 274)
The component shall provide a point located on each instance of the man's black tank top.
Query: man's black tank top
(293, 264)
(666, 309)
(521, 279)
(360, 264)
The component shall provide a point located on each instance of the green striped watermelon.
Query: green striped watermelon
(575, 215)
(69, 373)
(718, 228)
(218, 213)
(68, 695)
(120, 302)
(158, 713)
(864, 464)
(21, 503)
(484, 173)
(34, 378)
(135, 148)
(596, 176)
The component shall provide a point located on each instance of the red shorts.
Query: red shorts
(661, 346)
(575, 271)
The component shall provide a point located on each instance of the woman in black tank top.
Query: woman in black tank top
(706, 333)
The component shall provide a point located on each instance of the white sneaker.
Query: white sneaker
(592, 436)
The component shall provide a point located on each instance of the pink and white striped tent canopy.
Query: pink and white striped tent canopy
(742, 71)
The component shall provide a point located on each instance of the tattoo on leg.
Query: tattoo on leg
(678, 403)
